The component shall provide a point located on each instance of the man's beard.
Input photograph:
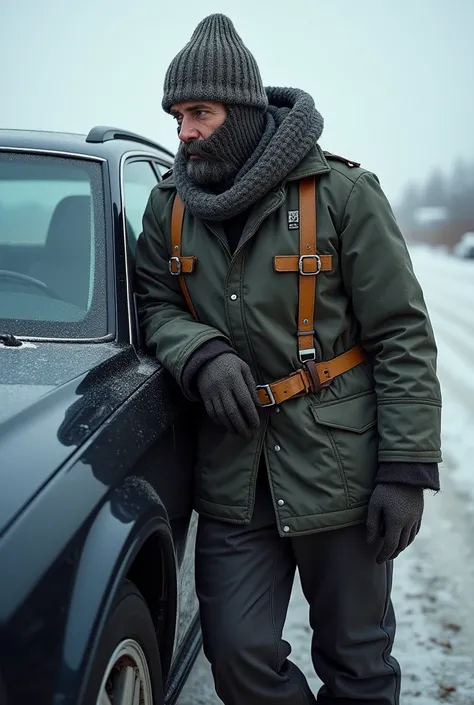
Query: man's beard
(205, 167)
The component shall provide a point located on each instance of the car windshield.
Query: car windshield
(52, 247)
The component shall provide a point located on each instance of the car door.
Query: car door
(140, 175)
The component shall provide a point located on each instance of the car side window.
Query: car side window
(162, 168)
(139, 178)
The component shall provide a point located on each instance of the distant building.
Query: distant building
(429, 216)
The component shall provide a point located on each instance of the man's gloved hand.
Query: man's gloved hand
(228, 391)
(395, 513)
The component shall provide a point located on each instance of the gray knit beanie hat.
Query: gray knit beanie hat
(214, 65)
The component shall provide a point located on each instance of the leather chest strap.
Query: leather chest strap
(309, 268)
(179, 265)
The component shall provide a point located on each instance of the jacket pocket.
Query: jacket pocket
(351, 426)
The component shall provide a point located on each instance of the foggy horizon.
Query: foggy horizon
(391, 80)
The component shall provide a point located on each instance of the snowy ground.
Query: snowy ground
(434, 579)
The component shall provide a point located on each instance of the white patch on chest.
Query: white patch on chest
(293, 220)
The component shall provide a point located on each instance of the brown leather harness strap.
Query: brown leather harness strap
(179, 265)
(312, 377)
(307, 279)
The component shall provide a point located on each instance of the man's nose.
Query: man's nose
(188, 132)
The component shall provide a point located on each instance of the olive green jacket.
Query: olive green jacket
(322, 450)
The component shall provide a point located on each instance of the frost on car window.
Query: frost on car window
(52, 247)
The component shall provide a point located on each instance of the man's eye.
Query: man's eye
(201, 113)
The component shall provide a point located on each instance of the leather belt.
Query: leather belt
(311, 378)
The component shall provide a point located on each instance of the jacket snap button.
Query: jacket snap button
(277, 448)
(233, 297)
(286, 529)
(281, 502)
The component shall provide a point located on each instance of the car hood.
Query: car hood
(15, 397)
(53, 396)
(29, 372)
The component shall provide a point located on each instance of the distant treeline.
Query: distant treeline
(452, 191)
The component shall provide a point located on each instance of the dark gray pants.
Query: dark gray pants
(244, 577)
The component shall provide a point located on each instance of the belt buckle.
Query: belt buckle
(268, 390)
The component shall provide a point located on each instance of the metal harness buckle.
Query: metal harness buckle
(301, 265)
(307, 355)
(178, 266)
(269, 392)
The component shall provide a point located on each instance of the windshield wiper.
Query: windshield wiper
(9, 340)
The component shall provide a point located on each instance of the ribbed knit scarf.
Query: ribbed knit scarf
(292, 127)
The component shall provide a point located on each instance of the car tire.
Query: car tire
(128, 657)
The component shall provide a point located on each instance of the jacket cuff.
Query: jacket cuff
(205, 353)
(424, 475)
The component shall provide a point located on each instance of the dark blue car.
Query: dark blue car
(97, 602)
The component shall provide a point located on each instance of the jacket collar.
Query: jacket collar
(313, 164)
(168, 180)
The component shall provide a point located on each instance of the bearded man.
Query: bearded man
(275, 286)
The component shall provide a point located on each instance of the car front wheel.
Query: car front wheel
(127, 670)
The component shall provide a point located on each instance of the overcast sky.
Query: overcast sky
(393, 78)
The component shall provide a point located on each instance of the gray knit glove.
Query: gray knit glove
(228, 391)
(395, 512)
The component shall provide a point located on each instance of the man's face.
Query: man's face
(198, 120)
(197, 123)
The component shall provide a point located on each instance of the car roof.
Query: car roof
(102, 141)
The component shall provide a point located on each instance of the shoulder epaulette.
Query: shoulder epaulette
(349, 162)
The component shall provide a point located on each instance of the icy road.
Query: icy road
(434, 579)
